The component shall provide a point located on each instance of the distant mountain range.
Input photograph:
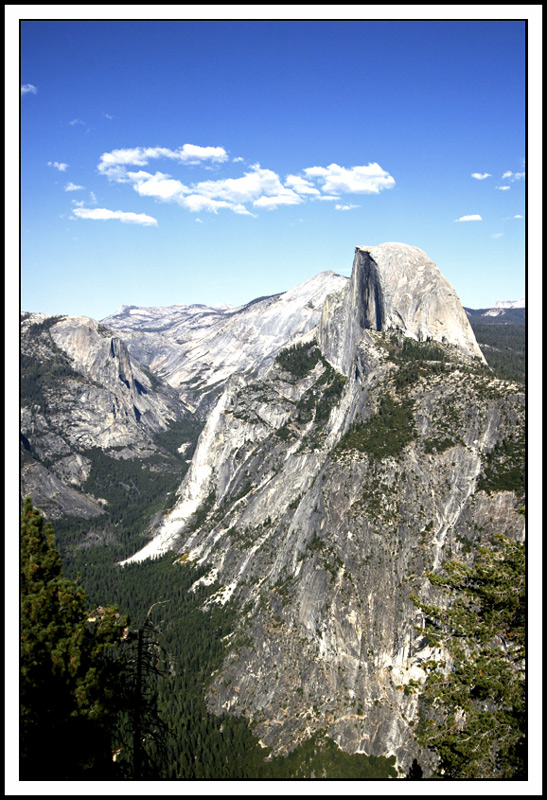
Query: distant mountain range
(509, 304)
(502, 311)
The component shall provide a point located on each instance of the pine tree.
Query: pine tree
(472, 707)
(68, 672)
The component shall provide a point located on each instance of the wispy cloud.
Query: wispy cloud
(76, 122)
(276, 200)
(197, 203)
(513, 176)
(72, 187)
(301, 185)
(480, 176)
(347, 207)
(496, 235)
(123, 216)
(470, 218)
(503, 188)
(60, 165)
(518, 216)
(28, 88)
(110, 163)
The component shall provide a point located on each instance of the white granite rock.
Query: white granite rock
(394, 286)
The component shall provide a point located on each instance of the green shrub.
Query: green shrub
(504, 468)
(385, 433)
(299, 359)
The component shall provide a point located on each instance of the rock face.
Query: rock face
(319, 497)
(81, 390)
(394, 287)
(195, 349)
(320, 542)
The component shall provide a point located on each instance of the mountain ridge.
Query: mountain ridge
(351, 437)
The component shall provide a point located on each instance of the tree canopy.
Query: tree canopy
(69, 684)
(473, 703)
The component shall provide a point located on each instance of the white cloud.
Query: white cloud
(76, 122)
(196, 203)
(480, 176)
(301, 185)
(338, 207)
(246, 189)
(28, 88)
(513, 176)
(122, 157)
(356, 180)
(123, 216)
(194, 154)
(237, 159)
(496, 235)
(58, 165)
(72, 187)
(140, 156)
(261, 187)
(503, 188)
(277, 200)
(470, 218)
(257, 187)
(159, 185)
(518, 216)
(92, 198)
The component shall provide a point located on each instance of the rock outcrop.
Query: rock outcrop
(81, 390)
(394, 287)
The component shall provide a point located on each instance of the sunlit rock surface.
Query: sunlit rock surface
(394, 287)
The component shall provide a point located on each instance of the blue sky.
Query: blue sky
(168, 162)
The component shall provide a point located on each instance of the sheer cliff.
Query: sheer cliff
(394, 286)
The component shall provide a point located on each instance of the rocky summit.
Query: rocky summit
(353, 438)
(394, 287)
